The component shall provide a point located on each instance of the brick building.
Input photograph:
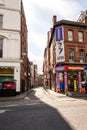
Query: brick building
(68, 54)
(24, 51)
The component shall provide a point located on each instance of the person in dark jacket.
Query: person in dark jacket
(86, 87)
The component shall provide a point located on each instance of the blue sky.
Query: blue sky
(39, 15)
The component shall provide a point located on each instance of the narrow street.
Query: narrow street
(41, 110)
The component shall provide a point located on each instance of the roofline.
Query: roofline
(66, 22)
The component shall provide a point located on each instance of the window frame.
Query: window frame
(82, 56)
(70, 35)
(71, 55)
(80, 36)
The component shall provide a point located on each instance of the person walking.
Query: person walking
(86, 87)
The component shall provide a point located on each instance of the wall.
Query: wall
(11, 45)
(11, 14)
(75, 44)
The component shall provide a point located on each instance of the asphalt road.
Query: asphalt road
(43, 111)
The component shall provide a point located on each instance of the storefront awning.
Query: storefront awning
(7, 80)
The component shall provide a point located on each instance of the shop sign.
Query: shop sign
(60, 68)
(59, 33)
(66, 68)
(6, 71)
(60, 57)
(75, 68)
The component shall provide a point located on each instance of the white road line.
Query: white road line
(27, 98)
(2, 111)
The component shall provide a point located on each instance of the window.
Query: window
(1, 20)
(80, 36)
(82, 56)
(70, 35)
(1, 47)
(71, 55)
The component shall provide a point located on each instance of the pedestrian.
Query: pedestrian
(86, 87)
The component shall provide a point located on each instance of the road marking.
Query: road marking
(2, 111)
(27, 98)
(11, 105)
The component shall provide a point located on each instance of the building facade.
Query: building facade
(68, 55)
(13, 43)
(33, 75)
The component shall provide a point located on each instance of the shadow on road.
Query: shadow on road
(39, 116)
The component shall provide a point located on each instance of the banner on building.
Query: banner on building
(59, 33)
(60, 56)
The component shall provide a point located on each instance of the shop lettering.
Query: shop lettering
(75, 68)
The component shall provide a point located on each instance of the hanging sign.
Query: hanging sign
(60, 56)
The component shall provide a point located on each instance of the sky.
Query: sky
(39, 15)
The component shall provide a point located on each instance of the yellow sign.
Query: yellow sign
(75, 85)
(6, 71)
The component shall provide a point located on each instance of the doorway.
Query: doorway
(72, 81)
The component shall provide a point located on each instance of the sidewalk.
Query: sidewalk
(15, 98)
(54, 93)
(68, 94)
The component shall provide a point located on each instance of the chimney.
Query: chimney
(54, 20)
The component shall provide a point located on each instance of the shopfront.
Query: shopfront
(6, 73)
(69, 78)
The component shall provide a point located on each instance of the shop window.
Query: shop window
(71, 55)
(1, 47)
(80, 36)
(1, 21)
(70, 35)
(82, 56)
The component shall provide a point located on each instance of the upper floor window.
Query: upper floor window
(82, 56)
(71, 55)
(1, 47)
(70, 35)
(80, 36)
(1, 21)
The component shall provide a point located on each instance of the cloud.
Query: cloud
(59, 7)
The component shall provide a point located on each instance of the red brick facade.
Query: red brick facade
(68, 73)
(75, 44)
